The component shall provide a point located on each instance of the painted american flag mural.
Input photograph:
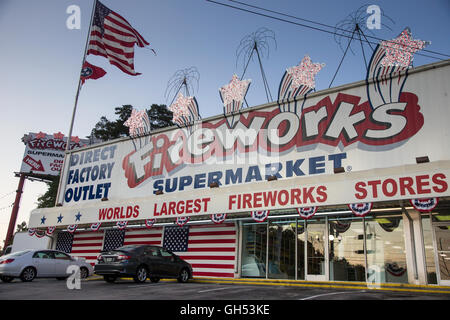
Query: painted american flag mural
(209, 248)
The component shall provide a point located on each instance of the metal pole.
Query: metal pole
(75, 104)
(79, 78)
(15, 210)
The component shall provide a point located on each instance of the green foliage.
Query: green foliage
(48, 199)
(105, 130)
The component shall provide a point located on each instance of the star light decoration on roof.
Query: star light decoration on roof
(234, 91)
(40, 135)
(58, 135)
(185, 110)
(304, 73)
(399, 51)
(135, 121)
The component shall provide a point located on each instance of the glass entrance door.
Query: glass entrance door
(316, 250)
(442, 234)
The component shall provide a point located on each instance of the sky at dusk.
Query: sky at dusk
(41, 58)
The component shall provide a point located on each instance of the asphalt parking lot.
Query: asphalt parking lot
(125, 289)
(222, 299)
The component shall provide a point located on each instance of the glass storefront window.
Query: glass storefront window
(429, 249)
(315, 252)
(301, 249)
(346, 239)
(254, 245)
(386, 255)
(282, 249)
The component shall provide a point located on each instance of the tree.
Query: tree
(108, 130)
(105, 130)
(22, 227)
(48, 199)
(160, 116)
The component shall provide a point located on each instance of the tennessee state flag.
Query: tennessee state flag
(90, 71)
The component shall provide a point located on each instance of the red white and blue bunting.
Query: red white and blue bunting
(72, 228)
(424, 205)
(360, 209)
(260, 216)
(150, 222)
(122, 224)
(39, 233)
(31, 232)
(181, 221)
(307, 212)
(95, 226)
(50, 230)
(218, 217)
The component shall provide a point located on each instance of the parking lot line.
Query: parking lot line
(216, 289)
(329, 294)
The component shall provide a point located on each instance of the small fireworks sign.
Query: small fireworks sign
(44, 153)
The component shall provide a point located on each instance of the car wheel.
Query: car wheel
(6, 278)
(109, 279)
(184, 276)
(155, 279)
(84, 273)
(141, 275)
(28, 274)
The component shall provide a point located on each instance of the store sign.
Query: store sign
(44, 153)
(404, 182)
(360, 127)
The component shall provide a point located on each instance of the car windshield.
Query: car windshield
(17, 254)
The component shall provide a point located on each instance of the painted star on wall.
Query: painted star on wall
(60, 218)
(400, 51)
(43, 219)
(135, 121)
(235, 90)
(304, 73)
(78, 217)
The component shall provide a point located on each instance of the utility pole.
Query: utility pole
(15, 210)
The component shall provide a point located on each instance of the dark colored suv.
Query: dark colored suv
(142, 262)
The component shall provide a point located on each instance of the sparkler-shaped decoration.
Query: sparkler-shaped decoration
(298, 81)
(399, 51)
(388, 68)
(303, 75)
(185, 110)
(233, 95)
(139, 125)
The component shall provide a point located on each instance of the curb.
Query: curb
(400, 287)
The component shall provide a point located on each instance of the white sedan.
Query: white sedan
(30, 264)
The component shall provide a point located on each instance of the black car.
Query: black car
(142, 262)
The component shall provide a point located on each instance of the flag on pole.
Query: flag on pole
(113, 37)
(90, 71)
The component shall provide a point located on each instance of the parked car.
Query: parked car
(141, 262)
(32, 263)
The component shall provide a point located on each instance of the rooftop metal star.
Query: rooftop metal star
(304, 73)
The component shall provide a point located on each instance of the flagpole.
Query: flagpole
(76, 102)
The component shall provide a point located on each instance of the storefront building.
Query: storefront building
(345, 184)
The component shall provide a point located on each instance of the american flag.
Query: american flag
(113, 37)
(64, 242)
(151, 236)
(113, 239)
(87, 245)
(210, 249)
